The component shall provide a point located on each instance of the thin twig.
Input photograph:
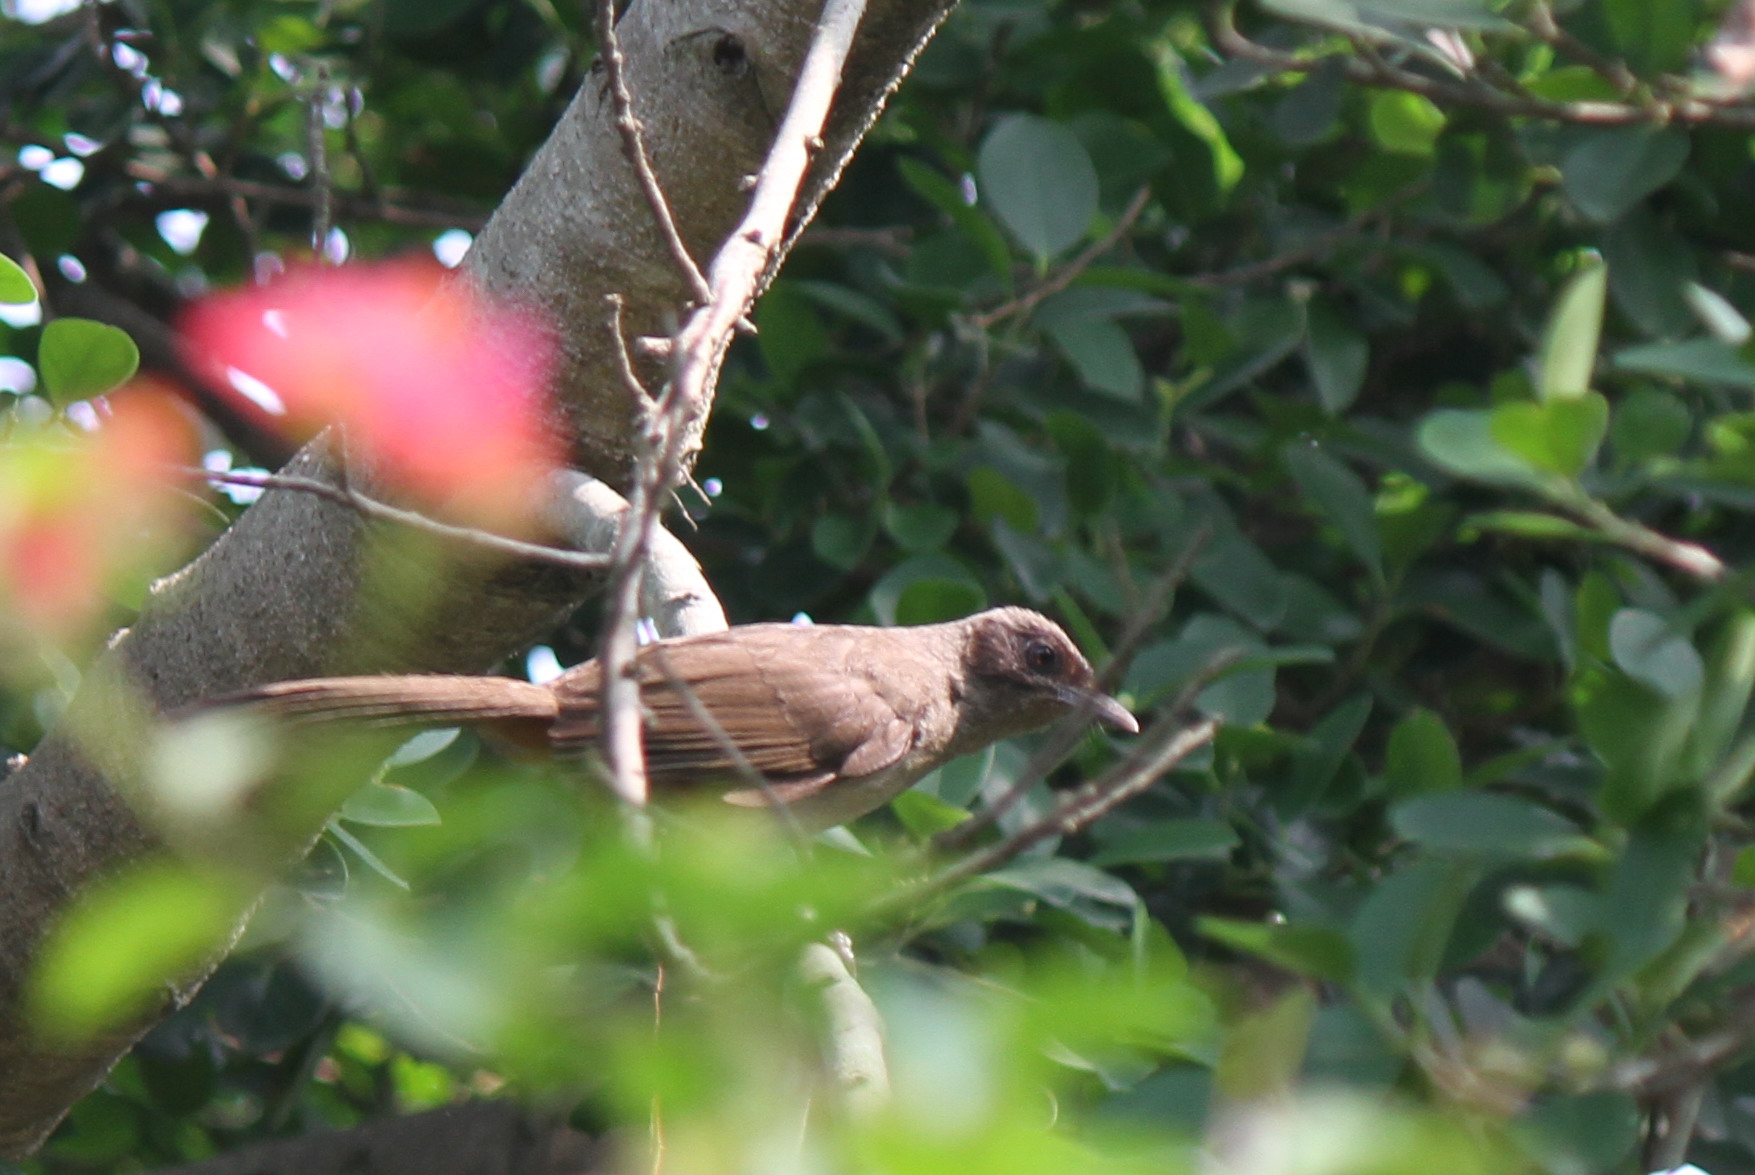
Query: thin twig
(633, 137)
(1068, 273)
(1164, 747)
(373, 508)
(1689, 558)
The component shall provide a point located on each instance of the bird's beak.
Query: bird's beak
(1104, 708)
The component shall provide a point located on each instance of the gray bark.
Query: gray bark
(276, 597)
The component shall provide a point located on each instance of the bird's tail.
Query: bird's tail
(399, 700)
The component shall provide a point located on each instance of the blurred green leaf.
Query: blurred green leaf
(1705, 361)
(1422, 756)
(1487, 824)
(80, 359)
(1465, 443)
(1649, 423)
(1569, 345)
(1405, 123)
(1584, 1132)
(920, 526)
(16, 288)
(1342, 498)
(1317, 951)
(122, 943)
(1337, 356)
(1611, 170)
(385, 805)
(1560, 436)
(1649, 649)
(1164, 840)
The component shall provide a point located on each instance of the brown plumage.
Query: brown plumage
(839, 719)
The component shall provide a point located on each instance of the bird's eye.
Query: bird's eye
(1041, 657)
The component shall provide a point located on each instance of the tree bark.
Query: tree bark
(276, 597)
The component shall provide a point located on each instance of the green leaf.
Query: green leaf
(1233, 569)
(993, 495)
(1404, 123)
(80, 359)
(1638, 732)
(1703, 360)
(1649, 649)
(1165, 840)
(1653, 37)
(386, 805)
(1337, 356)
(120, 944)
(1560, 436)
(1319, 756)
(949, 584)
(1569, 345)
(1610, 171)
(840, 540)
(1463, 442)
(1530, 524)
(1422, 756)
(1102, 354)
(1649, 268)
(926, 816)
(1645, 903)
(1040, 183)
(944, 195)
(1724, 697)
(1649, 423)
(1320, 952)
(1343, 499)
(919, 526)
(1582, 1132)
(15, 284)
(1062, 882)
(1723, 320)
(1487, 824)
(1400, 930)
(931, 601)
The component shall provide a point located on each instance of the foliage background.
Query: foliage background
(1443, 396)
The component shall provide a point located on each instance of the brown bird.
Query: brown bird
(838, 719)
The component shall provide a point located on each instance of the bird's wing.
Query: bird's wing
(790, 705)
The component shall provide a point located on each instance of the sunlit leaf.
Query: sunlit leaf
(1569, 346)
(16, 288)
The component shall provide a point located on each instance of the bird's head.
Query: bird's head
(1022, 672)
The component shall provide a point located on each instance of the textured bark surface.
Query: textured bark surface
(277, 596)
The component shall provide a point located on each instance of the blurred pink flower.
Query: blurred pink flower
(77, 510)
(442, 394)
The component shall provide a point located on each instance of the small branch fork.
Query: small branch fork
(733, 279)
